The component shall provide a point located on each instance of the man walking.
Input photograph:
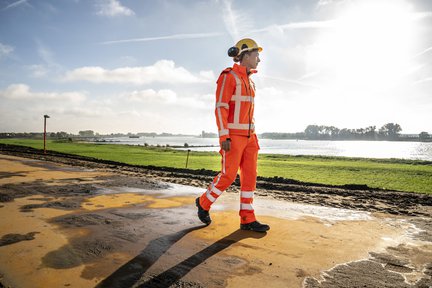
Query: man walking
(235, 95)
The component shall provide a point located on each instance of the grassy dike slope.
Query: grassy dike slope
(402, 175)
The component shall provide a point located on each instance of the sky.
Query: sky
(119, 66)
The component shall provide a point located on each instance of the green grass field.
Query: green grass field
(403, 175)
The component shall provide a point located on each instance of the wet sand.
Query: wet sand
(67, 226)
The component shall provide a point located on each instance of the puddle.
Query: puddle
(172, 190)
(290, 210)
(408, 237)
(183, 195)
(176, 195)
(230, 201)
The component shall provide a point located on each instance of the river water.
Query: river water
(367, 149)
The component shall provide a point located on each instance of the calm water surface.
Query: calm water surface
(368, 149)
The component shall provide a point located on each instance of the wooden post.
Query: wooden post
(45, 117)
(187, 157)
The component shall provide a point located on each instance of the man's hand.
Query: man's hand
(226, 145)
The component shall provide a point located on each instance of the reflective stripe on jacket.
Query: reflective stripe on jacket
(235, 96)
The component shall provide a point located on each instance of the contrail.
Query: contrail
(298, 25)
(423, 52)
(19, 2)
(423, 81)
(169, 37)
(230, 18)
(296, 82)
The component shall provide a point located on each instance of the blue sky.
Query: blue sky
(144, 66)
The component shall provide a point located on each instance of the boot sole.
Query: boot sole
(255, 230)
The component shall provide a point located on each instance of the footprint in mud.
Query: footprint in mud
(63, 258)
(392, 263)
(9, 239)
(82, 220)
(171, 222)
(78, 252)
(5, 197)
(68, 204)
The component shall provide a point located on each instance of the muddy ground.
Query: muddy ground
(70, 215)
(358, 197)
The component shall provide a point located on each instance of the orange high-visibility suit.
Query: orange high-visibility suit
(235, 96)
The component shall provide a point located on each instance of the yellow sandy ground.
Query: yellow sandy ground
(294, 249)
(127, 199)
(21, 263)
(290, 251)
(23, 172)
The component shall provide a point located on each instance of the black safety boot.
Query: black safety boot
(203, 215)
(255, 226)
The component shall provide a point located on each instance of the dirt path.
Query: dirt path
(358, 197)
(69, 221)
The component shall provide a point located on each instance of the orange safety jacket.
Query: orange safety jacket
(235, 96)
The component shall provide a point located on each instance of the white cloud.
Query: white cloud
(163, 71)
(112, 8)
(5, 50)
(278, 110)
(94, 111)
(157, 99)
(23, 92)
(421, 15)
(150, 95)
(209, 75)
(38, 71)
(194, 103)
(322, 3)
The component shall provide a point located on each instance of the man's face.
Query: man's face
(252, 60)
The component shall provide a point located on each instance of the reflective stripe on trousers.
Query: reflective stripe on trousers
(243, 155)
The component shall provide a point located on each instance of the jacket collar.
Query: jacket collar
(241, 70)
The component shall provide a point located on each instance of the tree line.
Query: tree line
(83, 134)
(389, 131)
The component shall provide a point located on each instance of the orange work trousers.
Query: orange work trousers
(243, 155)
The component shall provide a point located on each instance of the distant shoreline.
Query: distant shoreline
(260, 137)
(102, 138)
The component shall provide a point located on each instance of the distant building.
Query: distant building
(208, 135)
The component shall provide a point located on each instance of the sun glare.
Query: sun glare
(370, 45)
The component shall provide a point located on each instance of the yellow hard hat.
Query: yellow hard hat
(243, 45)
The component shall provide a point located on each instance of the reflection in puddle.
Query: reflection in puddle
(180, 195)
(130, 199)
(172, 190)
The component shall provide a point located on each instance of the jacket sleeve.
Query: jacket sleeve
(224, 92)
